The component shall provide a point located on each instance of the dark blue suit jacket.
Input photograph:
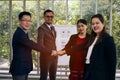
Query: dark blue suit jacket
(22, 57)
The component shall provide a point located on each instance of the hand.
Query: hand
(54, 53)
(61, 52)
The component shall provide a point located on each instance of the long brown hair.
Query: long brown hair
(93, 34)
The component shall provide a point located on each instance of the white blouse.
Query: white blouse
(90, 49)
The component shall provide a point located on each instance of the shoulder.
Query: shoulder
(18, 34)
(19, 31)
(74, 36)
(106, 36)
(41, 26)
(109, 42)
(108, 39)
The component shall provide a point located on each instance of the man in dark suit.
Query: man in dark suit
(22, 64)
(47, 37)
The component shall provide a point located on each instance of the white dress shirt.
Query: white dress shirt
(90, 49)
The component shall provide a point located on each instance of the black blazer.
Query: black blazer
(22, 57)
(103, 60)
(46, 39)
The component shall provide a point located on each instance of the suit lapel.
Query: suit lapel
(22, 32)
(49, 31)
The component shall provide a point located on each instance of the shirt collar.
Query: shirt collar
(24, 30)
(49, 25)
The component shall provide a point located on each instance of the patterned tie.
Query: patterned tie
(53, 31)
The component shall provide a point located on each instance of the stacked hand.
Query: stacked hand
(56, 53)
(61, 52)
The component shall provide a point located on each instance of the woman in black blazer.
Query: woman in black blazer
(101, 56)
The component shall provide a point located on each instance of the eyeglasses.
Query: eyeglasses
(27, 21)
(49, 16)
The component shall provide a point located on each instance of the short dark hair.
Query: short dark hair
(48, 10)
(23, 13)
(82, 21)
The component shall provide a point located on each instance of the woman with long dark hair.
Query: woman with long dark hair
(101, 52)
(77, 58)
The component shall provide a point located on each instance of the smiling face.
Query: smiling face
(97, 25)
(48, 17)
(81, 28)
(25, 22)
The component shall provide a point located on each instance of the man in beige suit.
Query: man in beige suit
(47, 37)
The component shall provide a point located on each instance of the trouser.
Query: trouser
(87, 72)
(75, 75)
(48, 66)
(20, 77)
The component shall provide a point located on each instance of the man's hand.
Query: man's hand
(54, 53)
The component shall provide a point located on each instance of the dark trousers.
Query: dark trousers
(20, 77)
(87, 72)
(48, 66)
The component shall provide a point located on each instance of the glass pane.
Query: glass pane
(76, 10)
(4, 34)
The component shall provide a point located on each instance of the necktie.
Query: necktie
(27, 35)
(52, 30)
